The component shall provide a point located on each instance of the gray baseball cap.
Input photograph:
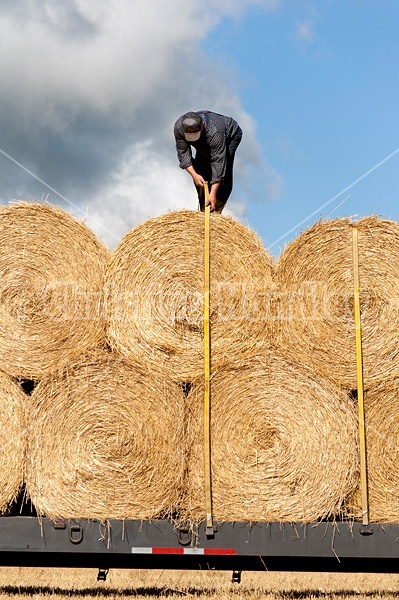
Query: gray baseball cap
(192, 125)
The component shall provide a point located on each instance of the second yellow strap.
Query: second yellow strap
(360, 391)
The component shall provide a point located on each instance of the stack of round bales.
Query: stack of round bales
(283, 444)
(51, 288)
(155, 289)
(314, 312)
(382, 436)
(13, 440)
(106, 439)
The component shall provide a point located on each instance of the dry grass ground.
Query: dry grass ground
(37, 583)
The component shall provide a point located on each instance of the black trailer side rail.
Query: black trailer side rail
(238, 546)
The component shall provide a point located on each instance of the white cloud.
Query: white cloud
(305, 31)
(89, 93)
(103, 56)
(144, 186)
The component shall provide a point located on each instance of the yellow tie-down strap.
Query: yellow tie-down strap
(207, 372)
(360, 389)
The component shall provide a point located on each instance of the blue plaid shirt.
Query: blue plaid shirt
(218, 131)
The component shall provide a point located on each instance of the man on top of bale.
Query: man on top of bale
(215, 139)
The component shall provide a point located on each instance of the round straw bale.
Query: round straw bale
(283, 445)
(155, 291)
(51, 286)
(106, 440)
(13, 440)
(381, 403)
(316, 319)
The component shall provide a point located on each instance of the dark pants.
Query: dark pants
(202, 164)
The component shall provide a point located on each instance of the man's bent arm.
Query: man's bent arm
(197, 178)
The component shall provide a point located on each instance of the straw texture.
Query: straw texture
(154, 292)
(315, 314)
(51, 286)
(12, 440)
(382, 439)
(105, 441)
(284, 444)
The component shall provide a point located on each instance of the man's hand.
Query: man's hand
(198, 179)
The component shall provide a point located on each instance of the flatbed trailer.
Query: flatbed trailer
(237, 546)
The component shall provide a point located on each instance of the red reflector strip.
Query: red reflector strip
(168, 551)
(207, 551)
(229, 551)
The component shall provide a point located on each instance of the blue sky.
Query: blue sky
(321, 82)
(91, 89)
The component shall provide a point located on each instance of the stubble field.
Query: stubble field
(28, 583)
